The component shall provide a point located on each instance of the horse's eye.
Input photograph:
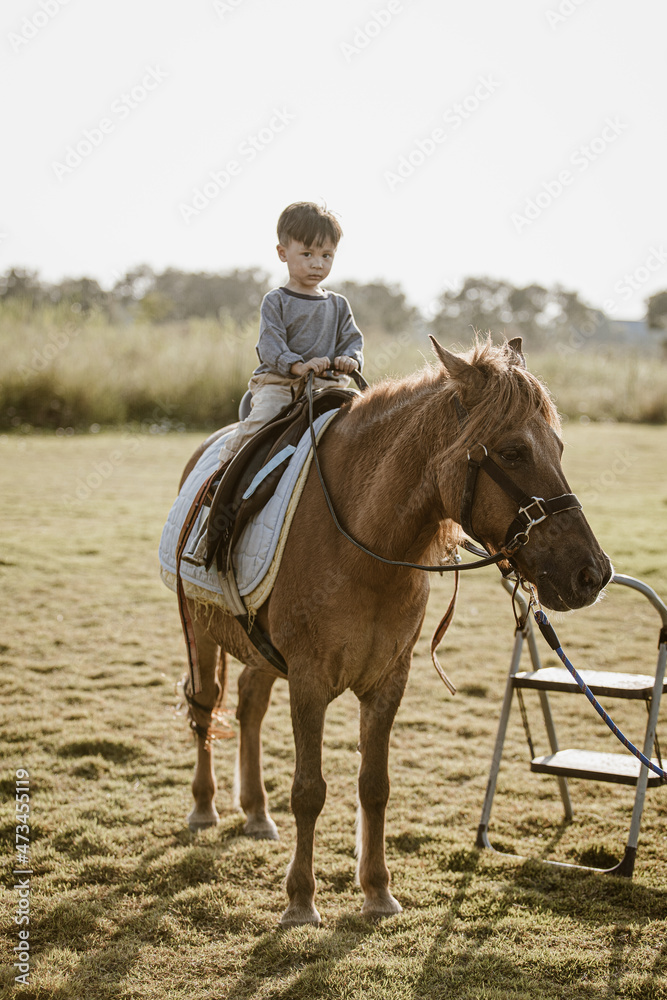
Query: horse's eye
(510, 455)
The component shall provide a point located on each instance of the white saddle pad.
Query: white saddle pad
(256, 557)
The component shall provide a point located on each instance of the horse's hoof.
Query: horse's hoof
(261, 829)
(202, 820)
(382, 906)
(300, 916)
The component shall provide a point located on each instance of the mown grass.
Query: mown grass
(63, 369)
(126, 903)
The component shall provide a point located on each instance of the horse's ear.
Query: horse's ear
(456, 367)
(516, 344)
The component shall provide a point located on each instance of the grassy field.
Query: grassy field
(126, 903)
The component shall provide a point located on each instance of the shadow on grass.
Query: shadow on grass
(305, 956)
(301, 962)
(580, 896)
(115, 751)
(88, 932)
(501, 848)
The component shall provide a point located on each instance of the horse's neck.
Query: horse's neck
(391, 447)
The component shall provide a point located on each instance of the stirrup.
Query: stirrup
(197, 556)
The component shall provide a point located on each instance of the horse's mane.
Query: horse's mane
(505, 394)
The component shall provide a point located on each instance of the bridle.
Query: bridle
(531, 510)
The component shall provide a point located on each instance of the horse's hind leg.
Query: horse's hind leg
(213, 667)
(254, 695)
(377, 716)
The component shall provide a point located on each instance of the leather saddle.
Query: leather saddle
(248, 481)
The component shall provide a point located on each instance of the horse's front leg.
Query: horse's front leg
(309, 791)
(254, 695)
(376, 719)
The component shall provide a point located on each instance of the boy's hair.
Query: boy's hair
(309, 224)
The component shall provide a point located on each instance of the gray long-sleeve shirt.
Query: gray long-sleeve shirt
(295, 327)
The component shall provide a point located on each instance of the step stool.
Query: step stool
(622, 768)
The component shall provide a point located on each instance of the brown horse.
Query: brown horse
(395, 465)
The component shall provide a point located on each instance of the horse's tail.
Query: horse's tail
(210, 723)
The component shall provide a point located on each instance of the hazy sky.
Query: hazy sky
(524, 140)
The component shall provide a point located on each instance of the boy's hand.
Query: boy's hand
(345, 364)
(316, 365)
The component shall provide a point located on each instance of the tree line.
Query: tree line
(538, 314)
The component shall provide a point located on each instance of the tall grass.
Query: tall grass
(613, 385)
(62, 369)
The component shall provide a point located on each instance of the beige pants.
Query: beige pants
(270, 393)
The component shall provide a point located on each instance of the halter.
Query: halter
(532, 510)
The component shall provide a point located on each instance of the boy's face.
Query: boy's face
(307, 265)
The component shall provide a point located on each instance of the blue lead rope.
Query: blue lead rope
(549, 634)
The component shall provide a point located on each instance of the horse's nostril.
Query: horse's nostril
(589, 579)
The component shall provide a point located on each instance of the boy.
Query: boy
(303, 327)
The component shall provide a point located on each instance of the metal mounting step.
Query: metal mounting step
(601, 682)
(620, 768)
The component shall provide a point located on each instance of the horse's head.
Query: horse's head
(507, 413)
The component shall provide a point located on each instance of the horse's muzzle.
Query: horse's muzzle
(578, 588)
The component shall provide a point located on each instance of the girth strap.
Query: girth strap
(263, 644)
